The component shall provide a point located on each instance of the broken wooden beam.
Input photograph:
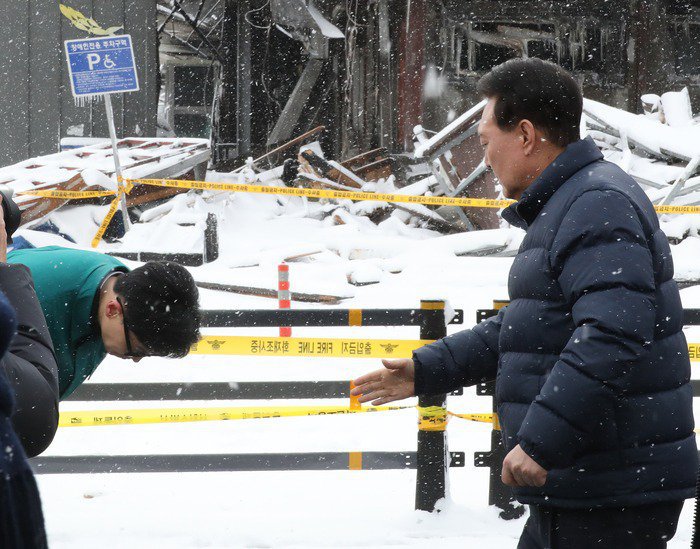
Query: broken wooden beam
(334, 172)
(271, 293)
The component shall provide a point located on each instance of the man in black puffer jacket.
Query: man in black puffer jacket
(591, 366)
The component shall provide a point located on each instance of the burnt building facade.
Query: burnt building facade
(617, 49)
(371, 71)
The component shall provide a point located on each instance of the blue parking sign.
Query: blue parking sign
(101, 65)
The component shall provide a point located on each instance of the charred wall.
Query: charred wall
(617, 49)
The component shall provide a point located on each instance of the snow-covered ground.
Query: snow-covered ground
(293, 509)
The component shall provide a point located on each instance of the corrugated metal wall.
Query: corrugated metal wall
(36, 104)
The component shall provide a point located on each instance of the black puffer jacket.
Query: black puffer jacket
(591, 366)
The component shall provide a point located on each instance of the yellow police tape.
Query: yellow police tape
(182, 415)
(307, 346)
(324, 193)
(359, 195)
(73, 195)
(310, 193)
(313, 193)
(84, 195)
(67, 195)
(113, 207)
(668, 209)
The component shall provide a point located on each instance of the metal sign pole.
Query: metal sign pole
(98, 66)
(117, 164)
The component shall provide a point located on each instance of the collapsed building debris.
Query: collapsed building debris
(663, 158)
(661, 153)
(92, 168)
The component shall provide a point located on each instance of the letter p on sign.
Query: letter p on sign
(93, 59)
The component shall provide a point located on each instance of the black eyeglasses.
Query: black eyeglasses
(129, 349)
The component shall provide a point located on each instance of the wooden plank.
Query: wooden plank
(364, 158)
(271, 292)
(381, 169)
(328, 171)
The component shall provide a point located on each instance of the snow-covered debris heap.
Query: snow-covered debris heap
(660, 149)
(372, 171)
(92, 168)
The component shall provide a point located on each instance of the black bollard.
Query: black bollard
(211, 239)
(432, 459)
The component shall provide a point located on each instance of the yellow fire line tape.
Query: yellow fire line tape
(327, 347)
(432, 418)
(182, 415)
(306, 346)
(356, 195)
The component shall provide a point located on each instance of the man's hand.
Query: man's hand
(3, 235)
(519, 469)
(393, 382)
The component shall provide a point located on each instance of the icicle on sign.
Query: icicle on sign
(99, 66)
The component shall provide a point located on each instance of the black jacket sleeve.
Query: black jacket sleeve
(465, 358)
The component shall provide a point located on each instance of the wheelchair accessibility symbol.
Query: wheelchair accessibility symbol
(95, 60)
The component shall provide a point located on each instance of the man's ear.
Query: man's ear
(528, 136)
(113, 309)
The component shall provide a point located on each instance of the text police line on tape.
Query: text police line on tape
(361, 195)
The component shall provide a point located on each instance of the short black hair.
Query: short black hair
(161, 307)
(539, 91)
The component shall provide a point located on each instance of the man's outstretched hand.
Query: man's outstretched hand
(519, 469)
(393, 382)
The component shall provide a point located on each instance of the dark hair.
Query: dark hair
(539, 91)
(161, 307)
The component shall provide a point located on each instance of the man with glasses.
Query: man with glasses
(95, 306)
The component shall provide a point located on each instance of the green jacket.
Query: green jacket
(66, 282)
